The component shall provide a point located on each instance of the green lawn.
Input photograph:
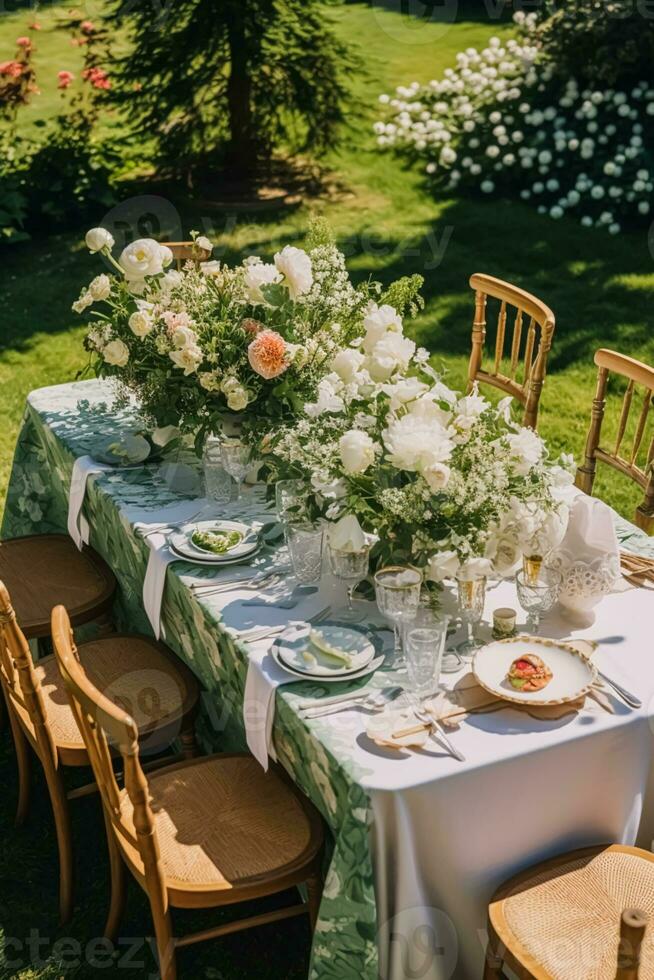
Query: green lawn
(599, 287)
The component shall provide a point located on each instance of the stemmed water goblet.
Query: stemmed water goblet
(397, 589)
(537, 595)
(472, 596)
(350, 567)
(236, 461)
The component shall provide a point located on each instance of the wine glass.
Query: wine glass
(539, 596)
(236, 460)
(304, 543)
(472, 596)
(350, 567)
(397, 589)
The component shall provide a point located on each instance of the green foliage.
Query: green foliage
(597, 43)
(233, 79)
(404, 295)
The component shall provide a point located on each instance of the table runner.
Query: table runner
(417, 804)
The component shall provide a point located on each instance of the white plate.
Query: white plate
(289, 646)
(216, 562)
(183, 545)
(374, 665)
(573, 673)
(355, 641)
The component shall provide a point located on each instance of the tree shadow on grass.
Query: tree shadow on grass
(444, 11)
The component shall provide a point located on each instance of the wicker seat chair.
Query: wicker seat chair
(206, 833)
(579, 916)
(136, 672)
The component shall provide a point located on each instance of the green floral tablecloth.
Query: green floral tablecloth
(67, 421)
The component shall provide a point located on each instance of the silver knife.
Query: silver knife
(626, 695)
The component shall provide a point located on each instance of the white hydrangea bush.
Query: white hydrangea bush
(503, 121)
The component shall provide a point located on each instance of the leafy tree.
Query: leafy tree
(231, 80)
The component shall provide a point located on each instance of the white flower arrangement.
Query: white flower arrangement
(446, 482)
(503, 121)
(208, 340)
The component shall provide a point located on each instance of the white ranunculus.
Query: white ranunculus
(377, 322)
(295, 266)
(170, 280)
(442, 565)
(165, 434)
(347, 362)
(144, 257)
(100, 288)
(414, 443)
(184, 337)
(140, 323)
(393, 352)
(404, 390)
(188, 358)
(258, 274)
(83, 303)
(237, 398)
(472, 405)
(210, 269)
(116, 352)
(437, 476)
(203, 242)
(357, 451)
(525, 450)
(99, 238)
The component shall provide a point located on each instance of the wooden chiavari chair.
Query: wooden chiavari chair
(135, 671)
(187, 252)
(526, 369)
(636, 373)
(206, 833)
(583, 914)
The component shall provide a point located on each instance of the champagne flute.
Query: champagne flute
(397, 589)
(351, 567)
(472, 596)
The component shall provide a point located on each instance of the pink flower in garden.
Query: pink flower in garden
(65, 79)
(12, 68)
(97, 77)
(24, 42)
(87, 27)
(267, 354)
(34, 26)
(251, 326)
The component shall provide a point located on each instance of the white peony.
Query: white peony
(472, 405)
(140, 323)
(98, 239)
(83, 303)
(295, 266)
(116, 352)
(203, 242)
(404, 390)
(393, 352)
(377, 322)
(210, 269)
(347, 363)
(525, 449)
(144, 257)
(184, 337)
(328, 400)
(444, 564)
(474, 568)
(100, 288)
(414, 443)
(357, 451)
(258, 274)
(188, 358)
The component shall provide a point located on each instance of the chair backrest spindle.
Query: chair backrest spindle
(635, 373)
(538, 342)
(187, 252)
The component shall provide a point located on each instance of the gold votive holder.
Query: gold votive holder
(504, 620)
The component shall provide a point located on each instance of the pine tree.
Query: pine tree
(226, 82)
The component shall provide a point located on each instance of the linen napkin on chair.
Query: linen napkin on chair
(83, 468)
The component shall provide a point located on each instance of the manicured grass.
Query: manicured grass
(599, 287)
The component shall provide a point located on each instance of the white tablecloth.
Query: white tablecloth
(445, 834)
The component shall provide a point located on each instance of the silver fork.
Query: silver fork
(170, 527)
(268, 631)
(268, 580)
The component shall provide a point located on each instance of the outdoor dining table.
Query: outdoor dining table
(420, 839)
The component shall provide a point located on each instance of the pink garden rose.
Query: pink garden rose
(267, 354)
(65, 79)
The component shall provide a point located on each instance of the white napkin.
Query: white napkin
(159, 559)
(591, 531)
(263, 678)
(78, 526)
